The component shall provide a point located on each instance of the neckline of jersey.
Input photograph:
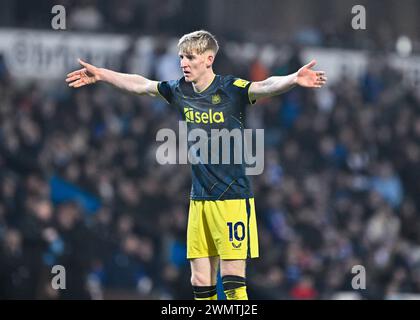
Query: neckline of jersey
(206, 88)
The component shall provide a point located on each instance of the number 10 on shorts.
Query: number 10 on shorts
(236, 231)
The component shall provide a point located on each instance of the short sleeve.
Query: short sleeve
(165, 90)
(242, 86)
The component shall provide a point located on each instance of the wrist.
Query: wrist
(100, 75)
(294, 79)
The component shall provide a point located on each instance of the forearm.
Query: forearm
(272, 86)
(279, 84)
(132, 83)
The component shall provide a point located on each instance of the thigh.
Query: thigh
(204, 270)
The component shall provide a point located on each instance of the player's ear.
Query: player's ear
(209, 59)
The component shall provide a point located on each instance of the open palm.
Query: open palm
(309, 78)
(87, 75)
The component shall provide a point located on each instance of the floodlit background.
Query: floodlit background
(80, 186)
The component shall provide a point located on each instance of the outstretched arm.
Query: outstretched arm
(276, 85)
(133, 83)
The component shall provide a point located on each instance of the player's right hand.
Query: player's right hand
(88, 75)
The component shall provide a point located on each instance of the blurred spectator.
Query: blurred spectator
(304, 289)
(86, 16)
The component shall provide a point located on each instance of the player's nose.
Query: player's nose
(183, 63)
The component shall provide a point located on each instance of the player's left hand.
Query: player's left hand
(88, 75)
(309, 78)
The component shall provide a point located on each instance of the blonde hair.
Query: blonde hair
(198, 41)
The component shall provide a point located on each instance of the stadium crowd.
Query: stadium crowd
(80, 186)
(324, 23)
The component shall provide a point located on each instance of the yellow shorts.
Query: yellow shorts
(225, 228)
